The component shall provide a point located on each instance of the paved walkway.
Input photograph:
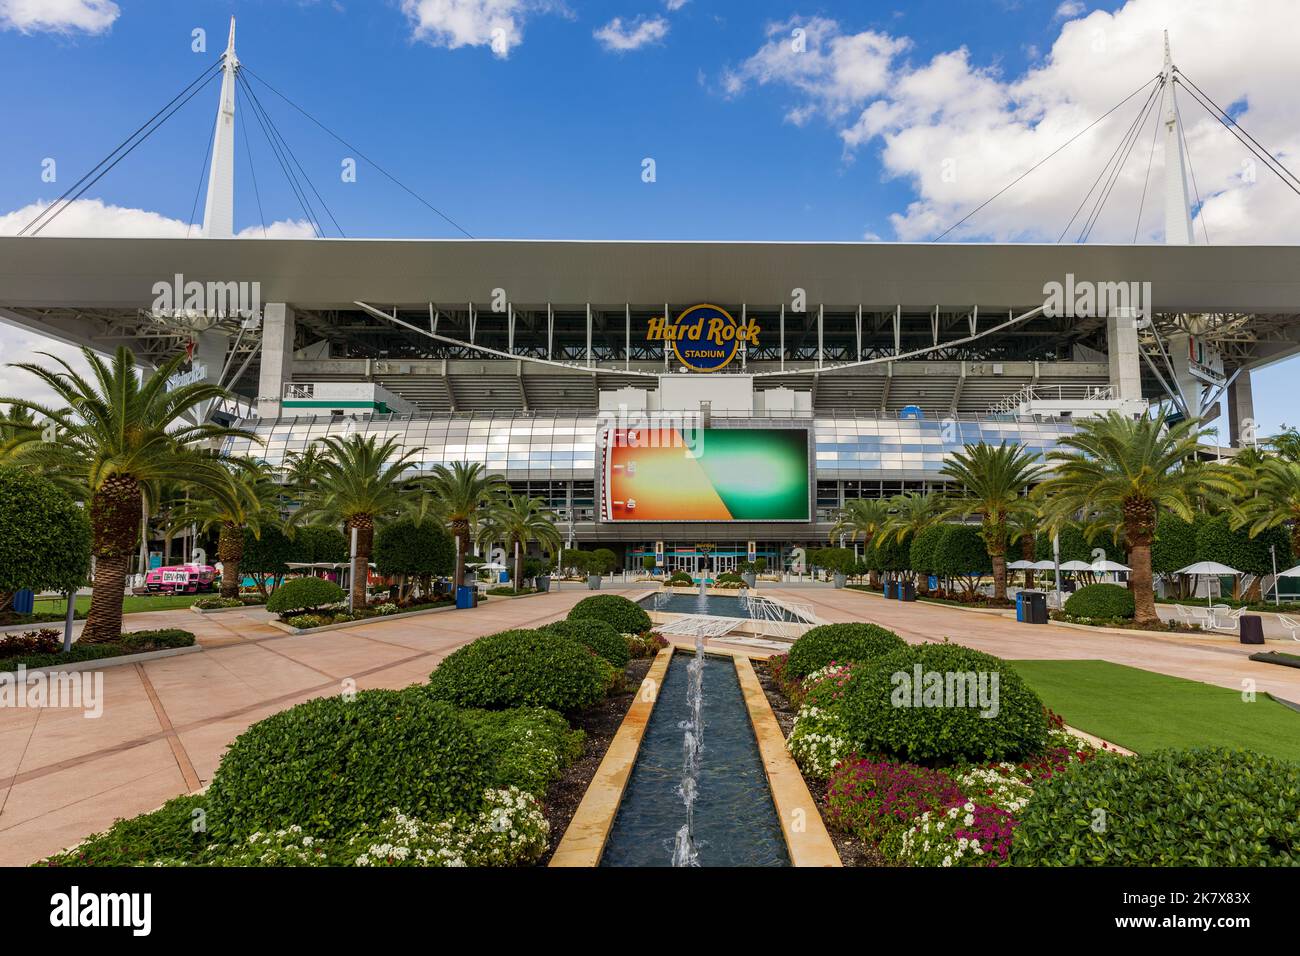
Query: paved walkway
(166, 723)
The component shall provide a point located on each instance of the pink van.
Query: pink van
(182, 579)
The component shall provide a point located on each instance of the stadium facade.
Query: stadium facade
(701, 401)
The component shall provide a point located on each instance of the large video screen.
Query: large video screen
(705, 474)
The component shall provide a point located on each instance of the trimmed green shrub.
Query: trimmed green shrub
(728, 577)
(411, 548)
(527, 747)
(596, 635)
(921, 551)
(967, 706)
(333, 764)
(520, 669)
(44, 536)
(1104, 601)
(315, 543)
(1201, 807)
(1174, 546)
(175, 831)
(266, 555)
(840, 643)
(624, 616)
(679, 579)
(602, 561)
(304, 594)
(157, 640)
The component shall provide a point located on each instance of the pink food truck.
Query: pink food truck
(181, 578)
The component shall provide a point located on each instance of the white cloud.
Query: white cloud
(959, 131)
(1070, 8)
(619, 38)
(57, 16)
(20, 345)
(834, 71)
(675, 5)
(496, 24)
(93, 218)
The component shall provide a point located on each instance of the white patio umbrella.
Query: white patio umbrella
(1043, 566)
(1020, 565)
(1208, 569)
(1108, 567)
(1076, 566)
(1290, 573)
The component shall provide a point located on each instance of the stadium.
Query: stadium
(807, 373)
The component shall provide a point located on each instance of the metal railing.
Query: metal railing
(1080, 392)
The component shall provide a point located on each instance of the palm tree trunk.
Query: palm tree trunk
(230, 548)
(115, 526)
(1029, 552)
(1139, 559)
(460, 532)
(519, 565)
(365, 527)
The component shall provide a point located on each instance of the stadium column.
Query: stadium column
(1241, 411)
(1122, 350)
(277, 358)
(1185, 380)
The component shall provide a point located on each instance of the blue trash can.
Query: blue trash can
(889, 589)
(465, 597)
(24, 601)
(1020, 606)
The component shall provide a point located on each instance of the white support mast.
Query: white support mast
(1178, 206)
(219, 211)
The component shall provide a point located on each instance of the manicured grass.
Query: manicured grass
(1144, 711)
(131, 604)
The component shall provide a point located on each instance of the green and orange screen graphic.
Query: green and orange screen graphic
(711, 474)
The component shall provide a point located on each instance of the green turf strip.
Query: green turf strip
(1144, 711)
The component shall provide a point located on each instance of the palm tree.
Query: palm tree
(253, 503)
(122, 436)
(359, 480)
(862, 518)
(16, 427)
(518, 520)
(1123, 472)
(462, 491)
(1275, 502)
(302, 469)
(993, 480)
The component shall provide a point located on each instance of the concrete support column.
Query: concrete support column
(1122, 349)
(1241, 411)
(277, 357)
(1180, 354)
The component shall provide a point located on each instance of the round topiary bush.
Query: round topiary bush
(840, 643)
(596, 635)
(679, 579)
(520, 669)
(1199, 807)
(624, 616)
(304, 594)
(938, 703)
(1104, 601)
(333, 764)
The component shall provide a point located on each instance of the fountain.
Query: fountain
(685, 852)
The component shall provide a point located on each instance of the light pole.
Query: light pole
(1277, 589)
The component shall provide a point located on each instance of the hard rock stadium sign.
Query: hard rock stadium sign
(705, 337)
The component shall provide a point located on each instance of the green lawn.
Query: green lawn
(1144, 711)
(156, 602)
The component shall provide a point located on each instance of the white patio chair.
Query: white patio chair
(1291, 624)
(1227, 618)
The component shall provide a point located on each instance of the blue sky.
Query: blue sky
(546, 135)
